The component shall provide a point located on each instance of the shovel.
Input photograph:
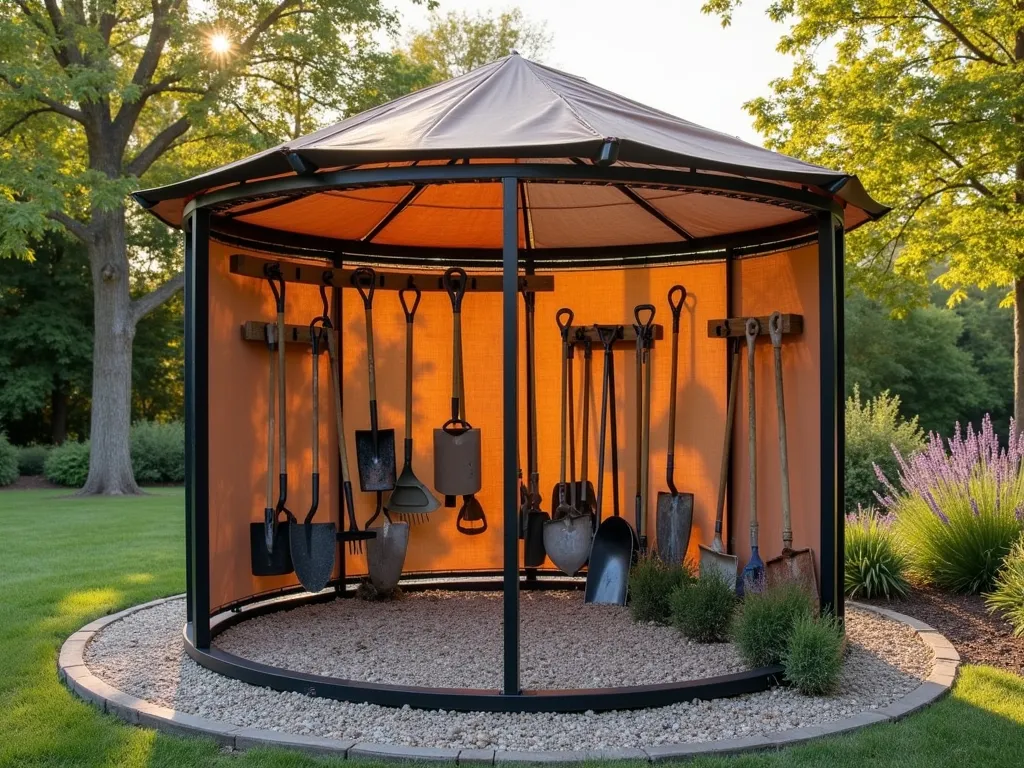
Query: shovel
(580, 492)
(354, 535)
(567, 537)
(643, 415)
(533, 549)
(385, 553)
(753, 573)
(674, 519)
(795, 566)
(410, 497)
(268, 541)
(713, 558)
(313, 544)
(611, 553)
(375, 448)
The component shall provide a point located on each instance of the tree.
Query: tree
(455, 43)
(924, 99)
(96, 96)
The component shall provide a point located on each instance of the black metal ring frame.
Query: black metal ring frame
(458, 699)
(753, 242)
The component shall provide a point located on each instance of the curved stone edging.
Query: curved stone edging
(75, 675)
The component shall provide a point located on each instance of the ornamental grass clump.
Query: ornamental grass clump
(814, 656)
(875, 565)
(1008, 597)
(765, 622)
(702, 610)
(958, 507)
(651, 583)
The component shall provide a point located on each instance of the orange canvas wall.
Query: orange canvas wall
(238, 407)
(787, 282)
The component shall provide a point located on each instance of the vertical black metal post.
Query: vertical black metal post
(336, 321)
(839, 602)
(830, 409)
(510, 441)
(730, 535)
(197, 411)
(189, 596)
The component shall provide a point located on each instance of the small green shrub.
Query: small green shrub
(158, 452)
(765, 621)
(1008, 597)
(875, 565)
(958, 507)
(32, 459)
(703, 609)
(68, 464)
(813, 659)
(873, 429)
(650, 585)
(8, 461)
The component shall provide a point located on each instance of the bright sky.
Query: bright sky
(664, 53)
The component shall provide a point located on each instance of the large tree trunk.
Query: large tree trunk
(110, 463)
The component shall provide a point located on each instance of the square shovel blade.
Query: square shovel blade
(673, 524)
(376, 467)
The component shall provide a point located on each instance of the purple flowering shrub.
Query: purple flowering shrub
(958, 507)
(875, 565)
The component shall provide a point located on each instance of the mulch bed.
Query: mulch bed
(30, 483)
(979, 637)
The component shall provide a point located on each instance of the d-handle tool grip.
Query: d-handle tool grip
(564, 325)
(643, 326)
(410, 312)
(676, 300)
(454, 282)
(365, 281)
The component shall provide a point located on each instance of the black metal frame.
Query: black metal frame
(823, 223)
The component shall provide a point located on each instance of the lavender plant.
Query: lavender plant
(875, 564)
(958, 506)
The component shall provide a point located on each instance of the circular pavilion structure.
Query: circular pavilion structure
(531, 180)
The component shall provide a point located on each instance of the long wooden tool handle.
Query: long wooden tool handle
(339, 423)
(646, 459)
(565, 389)
(585, 446)
(271, 331)
(775, 331)
(730, 412)
(316, 399)
(371, 367)
(282, 399)
(753, 329)
(676, 298)
(408, 380)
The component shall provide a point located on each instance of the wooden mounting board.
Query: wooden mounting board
(578, 333)
(313, 274)
(256, 330)
(735, 327)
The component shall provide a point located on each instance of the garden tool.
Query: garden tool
(375, 448)
(533, 549)
(567, 536)
(753, 573)
(385, 553)
(588, 496)
(562, 498)
(581, 498)
(674, 519)
(713, 558)
(313, 544)
(457, 452)
(268, 541)
(471, 511)
(614, 544)
(795, 566)
(411, 498)
(354, 535)
(643, 411)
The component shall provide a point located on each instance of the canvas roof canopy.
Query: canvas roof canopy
(597, 172)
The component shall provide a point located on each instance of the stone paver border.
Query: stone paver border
(75, 675)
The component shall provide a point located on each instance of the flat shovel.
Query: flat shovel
(674, 519)
(793, 565)
(714, 558)
(753, 573)
(313, 545)
(375, 448)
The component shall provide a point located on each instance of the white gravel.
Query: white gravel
(420, 640)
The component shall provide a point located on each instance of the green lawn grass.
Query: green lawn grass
(66, 561)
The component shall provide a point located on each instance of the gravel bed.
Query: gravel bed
(143, 656)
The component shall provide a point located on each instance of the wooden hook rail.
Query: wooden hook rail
(626, 337)
(734, 327)
(256, 330)
(313, 274)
